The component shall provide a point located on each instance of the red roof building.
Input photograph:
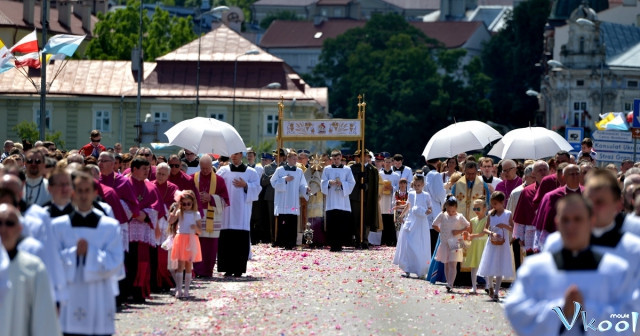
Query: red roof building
(299, 43)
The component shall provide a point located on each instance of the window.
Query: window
(36, 115)
(271, 124)
(632, 84)
(628, 106)
(102, 117)
(102, 121)
(580, 82)
(160, 117)
(579, 116)
(337, 12)
(218, 116)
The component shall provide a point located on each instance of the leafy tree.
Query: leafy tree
(509, 58)
(116, 34)
(283, 15)
(28, 130)
(413, 86)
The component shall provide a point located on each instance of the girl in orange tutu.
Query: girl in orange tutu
(184, 224)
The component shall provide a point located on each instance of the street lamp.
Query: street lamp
(270, 86)
(555, 64)
(215, 10)
(235, 76)
(532, 93)
(585, 22)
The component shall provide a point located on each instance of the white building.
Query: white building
(598, 72)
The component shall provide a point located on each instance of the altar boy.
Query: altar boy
(289, 184)
(91, 249)
(337, 184)
(552, 288)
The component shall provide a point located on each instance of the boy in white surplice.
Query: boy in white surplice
(91, 250)
(289, 184)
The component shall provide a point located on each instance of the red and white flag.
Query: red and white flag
(27, 44)
(31, 60)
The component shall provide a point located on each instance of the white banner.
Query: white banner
(322, 129)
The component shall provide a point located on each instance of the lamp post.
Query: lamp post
(43, 72)
(215, 10)
(235, 76)
(270, 86)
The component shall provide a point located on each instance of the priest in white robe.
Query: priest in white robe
(607, 235)
(551, 288)
(290, 185)
(4, 272)
(37, 225)
(389, 185)
(337, 184)
(90, 245)
(243, 187)
(35, 187)
(27, 308)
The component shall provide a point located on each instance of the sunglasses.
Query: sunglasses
(145, 154)
(477, 209)
(174, 165)
(95, 140)
(8, 223)
(36, 161)
(186, 204)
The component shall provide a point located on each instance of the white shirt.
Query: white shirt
(237, 215)
(337, 196)
(287, 194)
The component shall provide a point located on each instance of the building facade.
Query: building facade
(598, 71)
(236, 85)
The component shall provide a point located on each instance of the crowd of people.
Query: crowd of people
(84, 231)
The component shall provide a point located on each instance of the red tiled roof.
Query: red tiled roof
(84, 77)
(453, 34)
(220, 44)
(301, 34)
(11, 14)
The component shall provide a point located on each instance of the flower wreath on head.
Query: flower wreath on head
(179, 194)
(451, 198)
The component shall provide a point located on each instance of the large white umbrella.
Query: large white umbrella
(530, 143)
(206, 135)
(458, 138)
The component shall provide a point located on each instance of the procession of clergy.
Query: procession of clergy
(83, 231)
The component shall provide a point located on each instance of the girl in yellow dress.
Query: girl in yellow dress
(478, 240)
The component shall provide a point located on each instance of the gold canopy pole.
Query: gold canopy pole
(279, 145)
(361, 112)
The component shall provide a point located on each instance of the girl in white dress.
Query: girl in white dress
(496, 261)
(183, 223)
(414, 241)
(451, 225)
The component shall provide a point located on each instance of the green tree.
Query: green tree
(116, 34)
(509, 58)
(413, 86)
(283, 15)
(28, 130)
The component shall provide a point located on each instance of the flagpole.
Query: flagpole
(43, 72)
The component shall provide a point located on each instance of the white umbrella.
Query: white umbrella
(206, 135)
(530, 143)
(458, 138)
